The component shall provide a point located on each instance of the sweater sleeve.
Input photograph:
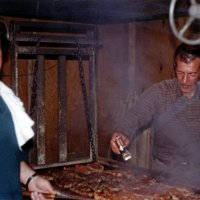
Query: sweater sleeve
(140, 115)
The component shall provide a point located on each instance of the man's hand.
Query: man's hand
(36, 183)
(40, 185)
(113, 145)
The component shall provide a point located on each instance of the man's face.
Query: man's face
(187, 75)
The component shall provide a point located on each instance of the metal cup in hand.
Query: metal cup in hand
(126, 155)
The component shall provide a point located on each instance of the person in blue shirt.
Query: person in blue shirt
(14, 167)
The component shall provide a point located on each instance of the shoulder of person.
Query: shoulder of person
(165, 84)
(162, 87)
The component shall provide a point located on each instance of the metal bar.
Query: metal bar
(62, 27)
(40, 112)
(31, 66)
(62, 132)
(62, 39)
(49, 196)
(93, 92)
(59, 164)
(59, 195)
(48, 51)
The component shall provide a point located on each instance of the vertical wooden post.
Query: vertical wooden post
(62, 108)
(40, 112)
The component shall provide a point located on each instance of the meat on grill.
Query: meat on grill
(93, 181)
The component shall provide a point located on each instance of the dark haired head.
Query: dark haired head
(4, 42)
(186, 53)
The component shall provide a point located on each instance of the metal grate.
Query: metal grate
(39, 41)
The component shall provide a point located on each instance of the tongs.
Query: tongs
(59, 195)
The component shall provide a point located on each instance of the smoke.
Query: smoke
(178, 145)
(182, 175)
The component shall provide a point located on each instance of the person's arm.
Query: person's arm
(36, 183)
(137, 119)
